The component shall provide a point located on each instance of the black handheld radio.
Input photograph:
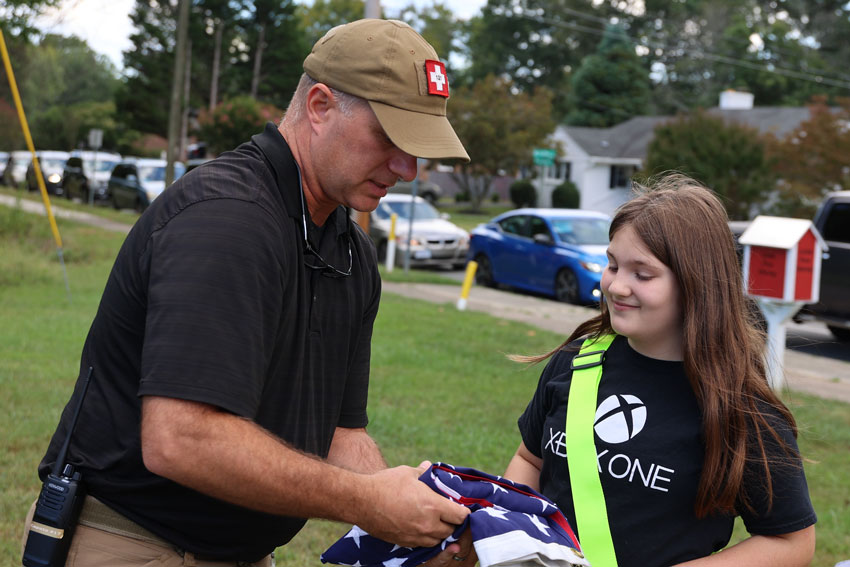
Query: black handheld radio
(58, 506)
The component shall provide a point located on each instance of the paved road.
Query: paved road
(814, 361)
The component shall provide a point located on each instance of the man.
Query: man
(231, 346)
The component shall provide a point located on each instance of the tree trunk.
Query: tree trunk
(177, 89)
(187, 82)
(219, 31)
(258, 61)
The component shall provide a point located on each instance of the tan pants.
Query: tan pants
(92, 547)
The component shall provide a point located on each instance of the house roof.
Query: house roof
(630, 139)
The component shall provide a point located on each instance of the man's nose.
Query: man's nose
(403, 165)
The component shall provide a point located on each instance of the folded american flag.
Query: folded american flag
(511, 525)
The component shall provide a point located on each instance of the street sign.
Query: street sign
(544, 156)
(95, 138)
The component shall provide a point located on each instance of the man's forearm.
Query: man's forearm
(355, 450)
(235, 460)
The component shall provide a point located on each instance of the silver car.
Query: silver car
(434, 241)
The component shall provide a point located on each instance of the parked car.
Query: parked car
(428, 190)
(87, 171)
(52, 165)
(16, 168)
(556, 252)
(434, 240)
(134, 184)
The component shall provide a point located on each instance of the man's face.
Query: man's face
(355, 161)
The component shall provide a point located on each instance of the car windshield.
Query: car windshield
(581, 230)
(157, 172)
(52, 163)
(424, 211)
(102, 165)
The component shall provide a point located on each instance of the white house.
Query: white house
(601, 161)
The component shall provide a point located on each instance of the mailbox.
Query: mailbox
(782, 259)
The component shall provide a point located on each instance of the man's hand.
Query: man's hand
(408, 513)
(458, 554)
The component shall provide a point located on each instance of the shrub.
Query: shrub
(234, 122)
(566, 196)
(523, 193)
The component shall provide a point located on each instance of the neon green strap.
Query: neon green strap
(588, 499)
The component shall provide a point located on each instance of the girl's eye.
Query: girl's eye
(643, 277)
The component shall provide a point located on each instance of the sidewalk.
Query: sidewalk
(817, 375)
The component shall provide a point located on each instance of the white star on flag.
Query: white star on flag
(355, 534)
(546, 507)
(544, 529)
(497, 487)
(496, 512)
(395, 562)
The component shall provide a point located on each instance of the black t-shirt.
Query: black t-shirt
(209, 300)
(650, 454)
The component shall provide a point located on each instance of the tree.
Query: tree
(534, 42)
(322, 15)
(611, 85)
(729, 158)
(278, 50)
(149, 66)
(499, 128)
(17, 17)
(812, 160)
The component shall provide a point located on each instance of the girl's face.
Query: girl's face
(643, 297)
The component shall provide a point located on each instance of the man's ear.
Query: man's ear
(320, 101)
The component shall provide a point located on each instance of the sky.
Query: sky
(105, 24)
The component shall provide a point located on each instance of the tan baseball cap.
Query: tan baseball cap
(390, 65)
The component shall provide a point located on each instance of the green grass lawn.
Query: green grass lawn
(441, 389)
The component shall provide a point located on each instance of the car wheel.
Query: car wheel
(484, 273)
(839, 333)
(566, 286)
(430, 196)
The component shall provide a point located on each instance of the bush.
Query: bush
(523, 194)
(566, 196)
(462, 197)
(234, 122)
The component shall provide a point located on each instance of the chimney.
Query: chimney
(732, 99)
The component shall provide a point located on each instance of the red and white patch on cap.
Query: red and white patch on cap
(438, 81)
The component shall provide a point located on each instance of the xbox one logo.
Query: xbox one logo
(619, 418)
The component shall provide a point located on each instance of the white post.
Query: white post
(776, 313)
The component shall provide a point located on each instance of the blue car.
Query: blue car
(556, 252)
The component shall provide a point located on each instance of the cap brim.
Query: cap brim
(419, 134)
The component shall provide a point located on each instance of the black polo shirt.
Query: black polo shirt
(210, 300)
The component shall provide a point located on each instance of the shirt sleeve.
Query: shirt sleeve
(791, 507)
(531, 422)
(216, 283)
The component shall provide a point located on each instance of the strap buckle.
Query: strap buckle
(597, 361)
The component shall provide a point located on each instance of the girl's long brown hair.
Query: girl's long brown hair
(684, 225)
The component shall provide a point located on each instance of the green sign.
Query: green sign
(544, 156)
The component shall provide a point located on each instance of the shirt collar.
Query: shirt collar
(285, 170)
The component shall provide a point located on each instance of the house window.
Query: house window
(621, 176)
(563, 170)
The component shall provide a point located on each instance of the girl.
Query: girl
(688, 434)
